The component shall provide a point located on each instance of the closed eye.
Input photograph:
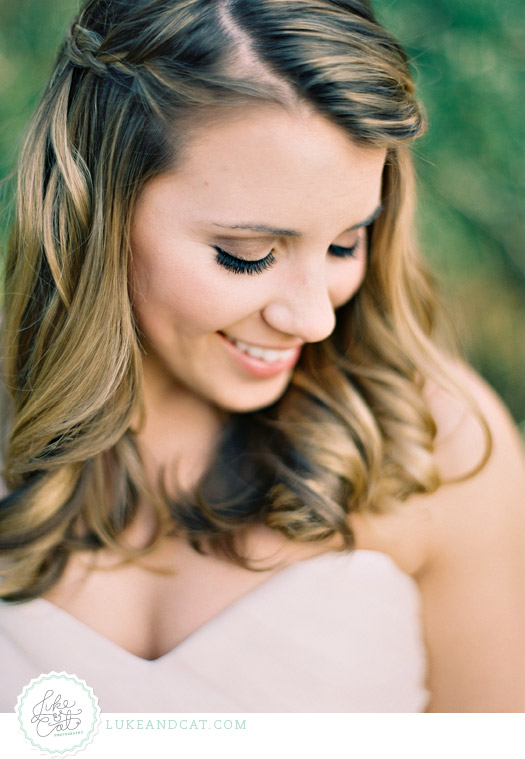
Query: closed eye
(245, 266)
(339, 252)
(242, 265)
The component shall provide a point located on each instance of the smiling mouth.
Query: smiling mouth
(270, 355)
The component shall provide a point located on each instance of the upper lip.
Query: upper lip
(264, 347)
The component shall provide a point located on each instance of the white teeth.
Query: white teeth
(266, 354)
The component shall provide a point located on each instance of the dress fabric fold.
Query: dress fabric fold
(339, 632)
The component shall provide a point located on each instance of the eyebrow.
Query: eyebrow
(275, 232)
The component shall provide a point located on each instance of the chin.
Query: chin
(254, 399)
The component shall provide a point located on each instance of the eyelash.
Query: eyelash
(242, 266)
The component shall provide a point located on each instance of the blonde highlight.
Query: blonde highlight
(352, 433)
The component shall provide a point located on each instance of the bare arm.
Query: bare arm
(473, 580)
(465, 547)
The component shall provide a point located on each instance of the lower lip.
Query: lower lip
(256, 366)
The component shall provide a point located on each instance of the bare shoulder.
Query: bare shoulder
(480, 502)
(465, 546)
(461, 437)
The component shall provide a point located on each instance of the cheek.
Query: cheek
(345, 280)
(346, 276)
(186, 294)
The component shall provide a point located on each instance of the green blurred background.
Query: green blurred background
(468, 60)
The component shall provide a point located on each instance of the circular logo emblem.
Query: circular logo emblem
(58, 714)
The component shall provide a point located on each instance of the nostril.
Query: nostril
(309, 321)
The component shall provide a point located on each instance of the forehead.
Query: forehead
(276, 163)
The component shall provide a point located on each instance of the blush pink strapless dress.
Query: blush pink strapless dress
(338, 632)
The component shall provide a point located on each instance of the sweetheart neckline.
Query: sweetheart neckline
(204, 628)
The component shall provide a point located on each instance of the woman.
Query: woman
(222, 367)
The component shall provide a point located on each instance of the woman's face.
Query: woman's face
(244, 253)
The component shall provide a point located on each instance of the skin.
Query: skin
(293, 171)
(463, 545)
(297, 172)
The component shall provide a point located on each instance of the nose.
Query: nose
(303, 306)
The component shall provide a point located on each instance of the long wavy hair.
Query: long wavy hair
(353, 431)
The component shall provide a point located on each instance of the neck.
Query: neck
(179, 434)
